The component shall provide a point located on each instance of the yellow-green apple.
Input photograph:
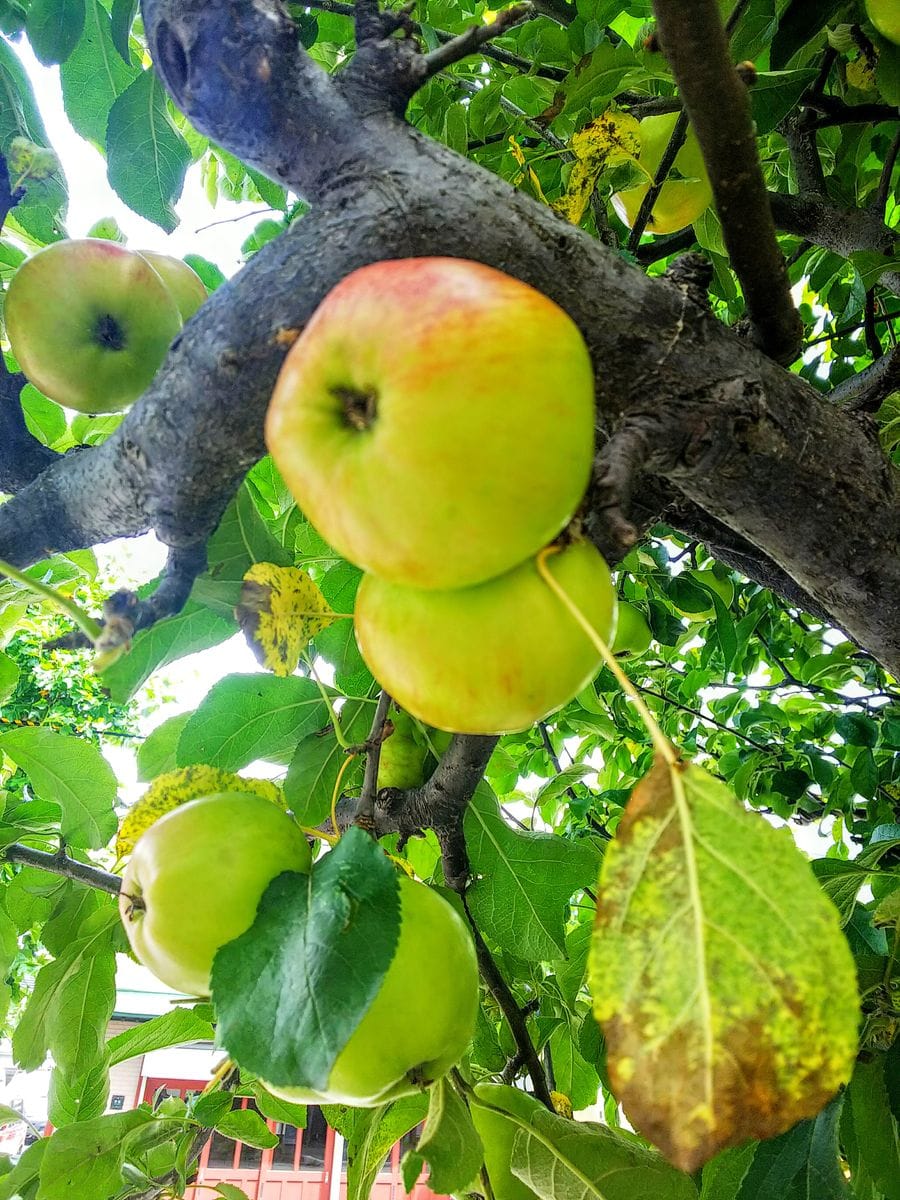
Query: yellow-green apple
(491, 658)
(90, 323)
(422, 1018)
(182, 281)
(680, 201)
(885, 16)
(633, 634)
(403, 756)
(435, 420)
(195, 880)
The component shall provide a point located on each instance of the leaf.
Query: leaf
(802, 1164)
(9, 677)
(449, 1144)
(523, 881)
(193, 629)
(592, 86)
(122, 18)
(230, 1191)
(280, 610)
(799, 24)
(611, 138)
(94, 76)
(245, 1125)
(73, 999)
(156, 752)
(174, 788)
(148, 157)
(370, 1133)
(290, 991)
(21, 1181)
(78, 1097)
(54, 28)
(175, 1028)
(841, 881)
(72, 773)
(723, 1175)
(857, 729)
(276, 1109)
(774, 94)
(725, 989)
(875, 1129)
(319, 757)
(247, 717)
(84, 1161)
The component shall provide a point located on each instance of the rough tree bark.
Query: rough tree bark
(680, 397)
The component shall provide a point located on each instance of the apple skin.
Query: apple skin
(402, 760)
(90, 323)
(633, 634)
(493, 658)
(186, 286)
(497, 1133)
(680, 201)
(472, 396)
(885, 16)
(200, 872)
(421, 1020)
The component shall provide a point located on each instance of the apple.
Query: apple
(493, 658)
(195, 880)
(90, 323)
(435, 420)
(680, 201)
(422, 1018)
(633, 634)
(402, 760)
(182, 281)
(885, 16)
(497, 1132)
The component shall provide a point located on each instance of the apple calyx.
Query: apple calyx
(360, 406)
(135, 906)
(109, 333)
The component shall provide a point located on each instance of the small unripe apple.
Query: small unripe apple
(195, 880)
(493, 658)
(90, 323)
(183, 282)
(403, 757)
(680, 201)
(633, 634)
(435, 420)
(422, 1018)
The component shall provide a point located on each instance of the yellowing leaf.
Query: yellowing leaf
(174, 788)
(719, 973)
(280, 610)
(610, 139)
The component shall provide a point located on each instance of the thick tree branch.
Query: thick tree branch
(696, 47)
(61, 864)
(865, 391)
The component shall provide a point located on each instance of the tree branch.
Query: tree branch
(474, 38)
(716, 101)
(865, 391)
(61, 864)
(365, 809)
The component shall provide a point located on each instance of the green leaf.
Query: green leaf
(857, 730)
(157, 753)
(148, 157)
(94, 76)
(775, 93)
(319, 757)
(841, 881)
(78, 1097)
(9, 677)
(175, 1028)
(230, 1191)
(589, 88)
(245, 1125)
(802, 1164)
(122, 18)
(276, 1109)
(370, 1133)
(195, 628)
(723, 1175)
(54, 28)
(84, 1161)
(523, 881)
(449, 1144)
(72, 1001)
(799, 24)
(72, 773)
(876, 1133)
(712, 933)
(22, 1180)
(319, 949)
(246, 717)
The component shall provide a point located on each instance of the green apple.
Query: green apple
(885, 16)
(681, 201)
(403, 756)
(182, 281)
(633, 634)
(90, 323)
(422, 1018)
(493, 658)
(497, 1132)
(435, 420)
(195, 880)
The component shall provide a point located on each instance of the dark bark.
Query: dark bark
(726, 428)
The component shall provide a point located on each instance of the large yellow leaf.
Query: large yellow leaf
(280, 610)
(724, 986)
(610, 139)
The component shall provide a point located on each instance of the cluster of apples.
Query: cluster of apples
(90, 321)
(194, 882)
(435, 422)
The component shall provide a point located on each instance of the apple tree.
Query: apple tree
(708, 190)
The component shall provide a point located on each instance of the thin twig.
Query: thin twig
(61, 864)
(365, 809)
(676, 141)
(884, 183)
(474, 38)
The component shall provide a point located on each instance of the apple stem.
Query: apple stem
(91, 628)
(665, 748)
(337, 791)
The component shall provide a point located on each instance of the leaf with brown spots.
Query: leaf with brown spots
(724, 986)
(280, 610)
